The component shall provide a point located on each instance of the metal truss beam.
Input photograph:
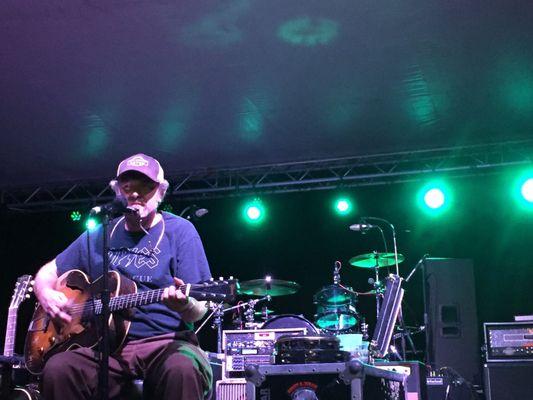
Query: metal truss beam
(323, 174)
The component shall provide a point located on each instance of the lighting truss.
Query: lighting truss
(376, 169)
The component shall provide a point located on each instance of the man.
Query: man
(155, 250)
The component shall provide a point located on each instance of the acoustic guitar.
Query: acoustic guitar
(22, 291)
(46, 337)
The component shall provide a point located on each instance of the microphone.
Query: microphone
(361, 227)
(200, 212)
(117, 206)
(194, 213)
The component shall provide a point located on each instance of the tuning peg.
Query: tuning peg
(220, 278)
(231, 277)
(30, 289)
(211, 279)
(27, 296)
(32, 282)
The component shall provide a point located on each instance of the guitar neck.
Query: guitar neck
(131, 300)
(11, 330)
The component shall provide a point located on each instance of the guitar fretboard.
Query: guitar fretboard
(126, 301)
(9, 343)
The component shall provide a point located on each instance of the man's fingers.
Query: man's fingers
(62, 298)
(64, 316)
(54, 310)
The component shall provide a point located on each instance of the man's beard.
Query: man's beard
(148, 208)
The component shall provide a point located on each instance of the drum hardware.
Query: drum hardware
(249, 313)
(218, 311)
(265, 313)
(364, 329)
(335, 303)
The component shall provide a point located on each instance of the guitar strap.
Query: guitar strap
(121, 219)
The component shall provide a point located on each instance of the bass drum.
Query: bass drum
(290, 321)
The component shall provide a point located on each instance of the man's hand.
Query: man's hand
(174, 298)
(55, 304)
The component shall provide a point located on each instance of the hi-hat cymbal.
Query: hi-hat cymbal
(271, 287)
(373, 260)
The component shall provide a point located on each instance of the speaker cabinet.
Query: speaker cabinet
(508, 381)
(451, 316)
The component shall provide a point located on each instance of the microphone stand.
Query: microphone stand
(186, 210)
(103, 374)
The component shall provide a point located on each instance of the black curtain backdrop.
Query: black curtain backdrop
(301, 238)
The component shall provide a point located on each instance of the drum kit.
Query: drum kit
(336, 304)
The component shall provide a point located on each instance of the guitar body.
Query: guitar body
(46, 337)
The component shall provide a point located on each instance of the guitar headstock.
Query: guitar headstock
(216, 290)
(23, 288)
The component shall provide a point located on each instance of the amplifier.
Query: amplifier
(508, 341)
(508, 381)
(441, 387)
(246, 347)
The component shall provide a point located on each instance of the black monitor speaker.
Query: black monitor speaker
(451, 316)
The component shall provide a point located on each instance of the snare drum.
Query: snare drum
(290, 321)
(336, 310)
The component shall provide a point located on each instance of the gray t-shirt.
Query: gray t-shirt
(172, 248)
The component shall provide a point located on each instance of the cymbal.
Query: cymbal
(371, 260)
(271, 287)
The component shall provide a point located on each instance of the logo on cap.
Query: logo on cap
(137, 161)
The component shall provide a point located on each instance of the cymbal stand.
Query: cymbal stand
(377, 285)
(218, 312)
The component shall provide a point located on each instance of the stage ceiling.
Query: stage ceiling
(231, 83)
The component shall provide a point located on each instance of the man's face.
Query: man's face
(140, 192)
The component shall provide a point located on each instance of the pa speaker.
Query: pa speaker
(451, 316)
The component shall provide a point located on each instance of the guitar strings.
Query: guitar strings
(91, 306)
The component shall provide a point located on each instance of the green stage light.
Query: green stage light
(342, 206)
(527, 190)
(434, 197)
(254, 211)
(91, 224)
(523, 190)
(75, 216)
(166, 207)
